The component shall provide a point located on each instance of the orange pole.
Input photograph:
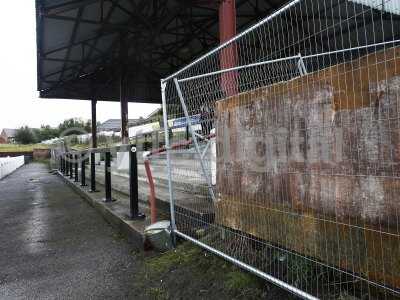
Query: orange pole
(150, 180)
(152, 196)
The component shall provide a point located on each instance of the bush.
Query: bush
(25, 135)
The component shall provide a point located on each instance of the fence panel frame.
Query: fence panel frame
(175, 80)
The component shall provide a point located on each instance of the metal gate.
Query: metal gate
(292, 167)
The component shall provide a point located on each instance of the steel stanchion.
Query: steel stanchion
(93, 173)
(107, 177)
(76, 168)
(83, 169)
(133, 185)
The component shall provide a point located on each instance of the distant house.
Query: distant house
(155, 116)
(8, 135)
(115, 124)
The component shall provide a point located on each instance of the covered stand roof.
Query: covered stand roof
(115, 124)
(83, 45)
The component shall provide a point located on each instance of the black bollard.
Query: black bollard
(76, 168)
(107, 176)
(92, 172)
(83, 170)
(66, 165)
(133, 185)
(71, 166)
(61, 164)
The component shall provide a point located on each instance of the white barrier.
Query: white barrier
(10, 164)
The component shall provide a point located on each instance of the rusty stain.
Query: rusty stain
(315, 157)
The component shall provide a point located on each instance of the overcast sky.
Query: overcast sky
(19, 102)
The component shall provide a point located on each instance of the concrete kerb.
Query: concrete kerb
(132, 230)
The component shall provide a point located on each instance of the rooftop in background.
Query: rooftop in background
(155, 115)
(79, 43)
(115, 124)
(9, 132)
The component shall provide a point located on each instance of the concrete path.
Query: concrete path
(53, 245)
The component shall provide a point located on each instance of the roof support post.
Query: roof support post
(94, 145)
(122, 90)
(124, 112)
(228, 57)
(94, 124)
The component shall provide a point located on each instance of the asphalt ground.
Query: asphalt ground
(53, 245)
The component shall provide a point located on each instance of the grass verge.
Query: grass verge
(18, 147)
(188, 272)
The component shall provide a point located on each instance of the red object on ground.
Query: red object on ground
(152, 196)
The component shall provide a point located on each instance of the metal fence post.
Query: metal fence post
(71, 166)
(167, 148)
(107, 176)
(83, 169)
(133, 185)
(92, 172)
(76, 168)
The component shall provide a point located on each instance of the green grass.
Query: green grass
(17, 147)
(157, 293)
(203, 271)
(183, 255)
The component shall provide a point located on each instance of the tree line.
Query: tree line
(27, 135)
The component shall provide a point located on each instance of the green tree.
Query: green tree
(67, 126)
(88, 126)
(45, 132)
(25, 135)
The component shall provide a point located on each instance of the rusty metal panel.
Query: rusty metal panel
(313, 164)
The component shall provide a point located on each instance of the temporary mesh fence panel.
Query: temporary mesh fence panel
(293, 161)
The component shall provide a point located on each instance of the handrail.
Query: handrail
(178, 145)
(68, 161)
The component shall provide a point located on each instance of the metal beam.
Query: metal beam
(67, 6)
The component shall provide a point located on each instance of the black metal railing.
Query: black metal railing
(68, 165)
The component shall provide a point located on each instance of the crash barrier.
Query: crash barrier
(10, 164)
